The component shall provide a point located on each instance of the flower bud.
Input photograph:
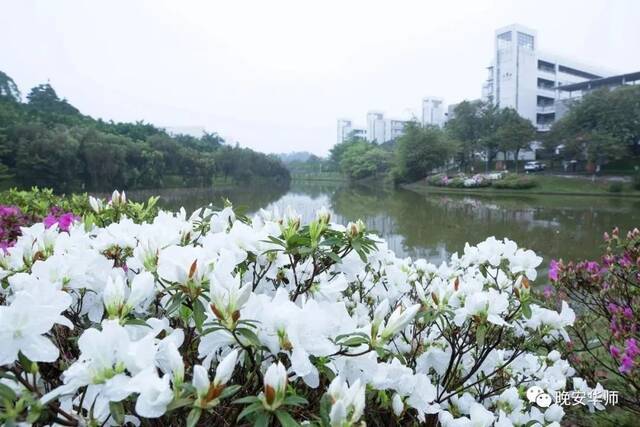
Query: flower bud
(323, 215)
(96, 204)
(275, 386)
(398, 320)
(225, 368)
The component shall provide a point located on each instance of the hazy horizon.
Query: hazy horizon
(275, 76)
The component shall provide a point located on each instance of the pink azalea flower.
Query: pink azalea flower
(553, 270)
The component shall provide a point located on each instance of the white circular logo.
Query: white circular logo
(537, 395)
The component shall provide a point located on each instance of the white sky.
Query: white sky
(275, 75)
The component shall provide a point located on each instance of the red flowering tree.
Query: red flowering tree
(605, 338)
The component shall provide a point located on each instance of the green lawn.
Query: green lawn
(546, 184)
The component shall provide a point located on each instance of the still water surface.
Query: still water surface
(435, 226)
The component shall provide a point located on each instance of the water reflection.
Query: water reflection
(436, 225)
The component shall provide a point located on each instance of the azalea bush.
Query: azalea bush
(43, 205)
(11, 220)
(220, 319)
(606, 338)
(466, 181)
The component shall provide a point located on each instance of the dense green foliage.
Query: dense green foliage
(47, 142)
(420, 150)
(40, 201)
(515, 182)
(602, 126)
(360, 159)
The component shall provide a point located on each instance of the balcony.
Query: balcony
(546, 109)
(546, 72)
(543, 127)
(547, 91)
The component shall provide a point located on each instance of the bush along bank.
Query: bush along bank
(500, 180)
(219, 318)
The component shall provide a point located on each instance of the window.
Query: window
(525, 40)
(545, 84)
(504, 40)
(505, 36)
(546, 66)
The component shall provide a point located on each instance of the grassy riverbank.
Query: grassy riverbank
(545, 184)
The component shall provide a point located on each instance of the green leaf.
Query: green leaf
(179, 403)
(199, 315)
(256, 406)
(334, 257)
(481, 332)
(325, 409)
(194, 417)
(295, 400)
(27, 364)
(286, 420)
(34, 413)
(174, 303)
(229, 391)
(247, 399)
(250, 336)
(138, 322)
(526, 309)
(7, 393)
(354, 341)
(262, 420)
(117, 411)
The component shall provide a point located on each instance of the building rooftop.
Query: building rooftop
(602, 82)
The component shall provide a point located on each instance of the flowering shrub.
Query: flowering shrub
(606, 335)
(465, 181)
(219, 319)
(11, 219)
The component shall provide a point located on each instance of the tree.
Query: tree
(473, 125)
(364, 159)
(514, 133)
(44, 98)
(601, 126)
(47, 142)
(420, 150)
(8, 88)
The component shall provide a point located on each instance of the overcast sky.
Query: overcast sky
(275, 75)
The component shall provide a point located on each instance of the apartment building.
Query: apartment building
(525, 78)
(433, 111)
(346, 130)
(567, 94)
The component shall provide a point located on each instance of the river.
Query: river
(435, 226)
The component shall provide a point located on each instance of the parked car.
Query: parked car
(533, 166)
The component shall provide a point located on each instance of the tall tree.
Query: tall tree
(44, 98)
(420, 150)
(8, 88)
(514, 133)
(601, 126)
(473, 125)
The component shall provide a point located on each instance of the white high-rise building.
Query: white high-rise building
(524, 78)
(347, 130)
(381, 130)
(433, 111)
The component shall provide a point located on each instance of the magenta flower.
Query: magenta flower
(615, 351)
(548, 292)
(626, 365)
(593, 267)
(632, 347)
(49, 221)
(64, 220)
(553, 270)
